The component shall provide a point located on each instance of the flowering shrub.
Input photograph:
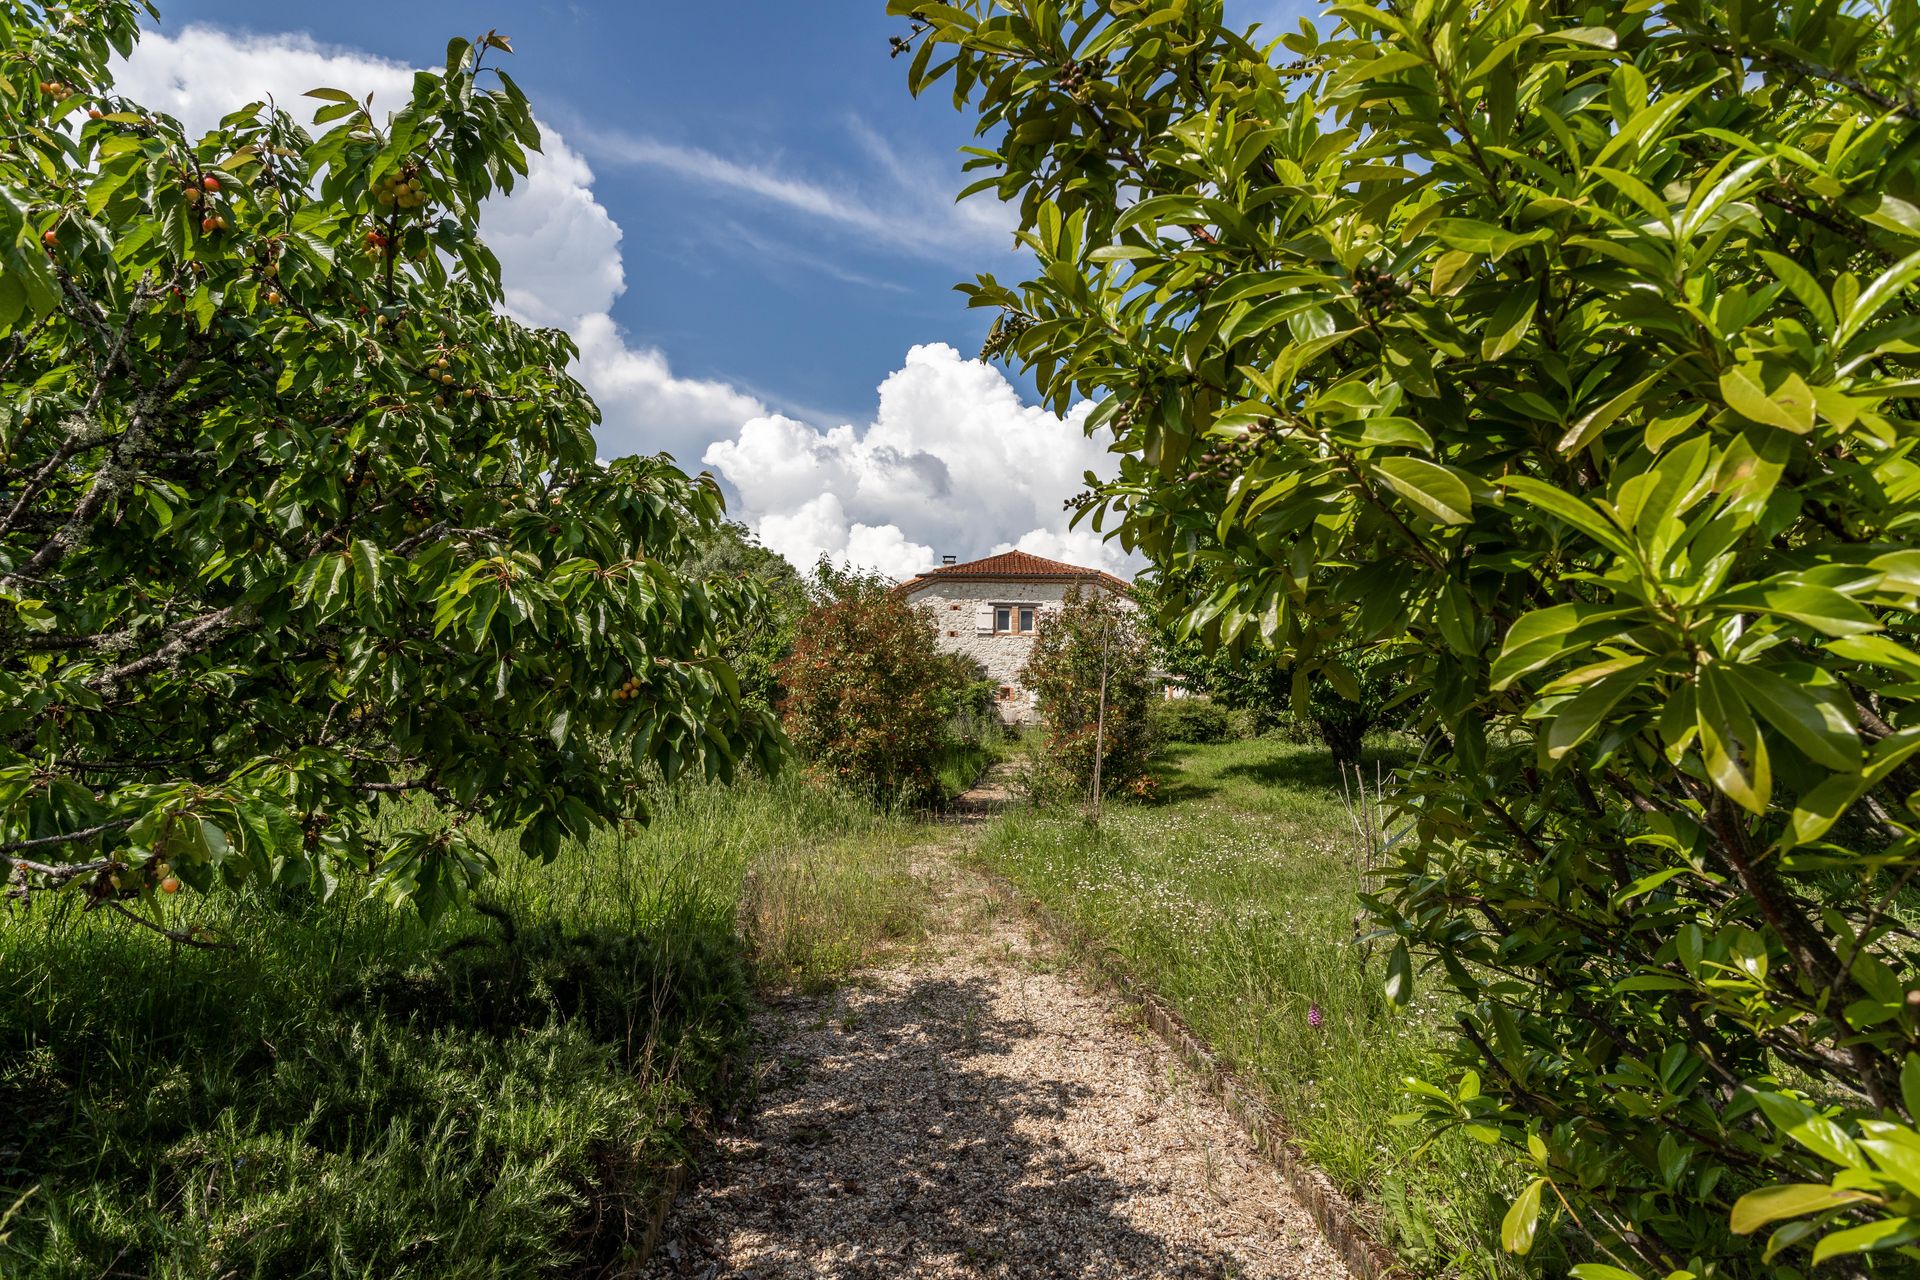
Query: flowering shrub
(1093, 633)
(866, 693)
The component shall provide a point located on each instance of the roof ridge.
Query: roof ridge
(1016, 563)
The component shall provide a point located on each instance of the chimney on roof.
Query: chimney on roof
(947, 560)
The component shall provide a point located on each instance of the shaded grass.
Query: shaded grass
(353, 1092)
(1234, 898)
(960, 765)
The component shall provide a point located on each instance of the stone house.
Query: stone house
(990, 609)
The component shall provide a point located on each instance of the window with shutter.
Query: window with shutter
(983, 618)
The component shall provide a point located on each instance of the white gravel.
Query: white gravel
(973, 1109)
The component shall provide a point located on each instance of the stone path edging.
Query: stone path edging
(1331, 1210)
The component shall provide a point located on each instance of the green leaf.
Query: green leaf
(1822, 608)
(1815, 812)
(1598, 37)
(1789, 407)
(1435, 491)
(1730, 744)
(1570, 510)
(1523, 1220)
(1820, 724)
(1804, 287)
(1399, 974)
(1574, 721)
(1538, 638)
(1811, 1130)
(1585, 431)
(1770, 1204)
(1888, 1233)
(1509, 323)
(1885, 288)
(366, 564)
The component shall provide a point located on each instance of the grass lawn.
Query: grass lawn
(1233, 897)
(350, 1092)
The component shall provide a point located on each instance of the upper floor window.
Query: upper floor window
(1014, 619)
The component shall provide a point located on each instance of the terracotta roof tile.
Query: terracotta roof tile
(1017, 564)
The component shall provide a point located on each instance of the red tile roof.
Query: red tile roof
(1017, 564)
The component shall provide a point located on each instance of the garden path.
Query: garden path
(974, 1108)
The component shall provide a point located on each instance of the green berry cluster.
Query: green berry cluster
(1230, 456)
(1006, 331)
(1380, 292)
(1074, 75)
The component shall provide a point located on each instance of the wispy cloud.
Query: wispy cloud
(907, 210)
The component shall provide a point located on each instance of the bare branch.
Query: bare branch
(185, 937)
(69, 837)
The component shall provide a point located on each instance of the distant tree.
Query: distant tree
(754, 641)
(867, 693)
(1092, 671)
(295, 522)
(1343, 703)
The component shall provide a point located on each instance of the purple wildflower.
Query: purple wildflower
(1313, 1016)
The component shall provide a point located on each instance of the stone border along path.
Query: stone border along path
(973, 1107)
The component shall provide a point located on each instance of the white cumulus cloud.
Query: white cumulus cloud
(953, 463)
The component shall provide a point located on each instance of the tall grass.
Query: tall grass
(1234, 898)
(349, 1092)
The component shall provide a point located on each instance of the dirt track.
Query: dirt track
(973, 1108)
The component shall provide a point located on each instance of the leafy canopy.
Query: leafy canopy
(294, 521)
(1569, 351)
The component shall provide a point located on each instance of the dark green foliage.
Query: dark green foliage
(351, 1094)
(1344, 711)
(1566, 357)
(756, 641)
(1091, 671)
(1342, 704)
(1190, 720)
(295, 520)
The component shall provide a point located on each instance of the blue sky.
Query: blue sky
(808, 312)
(750, 224)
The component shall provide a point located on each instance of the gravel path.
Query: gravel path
(974, 1109)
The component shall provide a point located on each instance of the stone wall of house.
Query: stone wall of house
(963, 621)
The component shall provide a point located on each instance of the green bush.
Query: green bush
(1345, 711)
(868, 694)
(1091, 672)
(1340, 705)
(1193, 720)
(1244, 723)
(352, 1095)
(1566, 356)
(755, 641)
